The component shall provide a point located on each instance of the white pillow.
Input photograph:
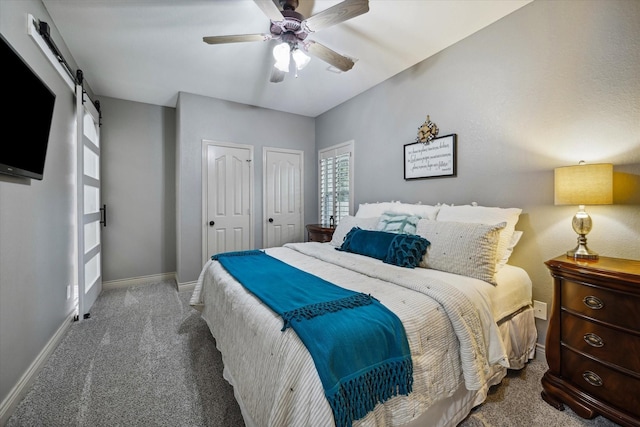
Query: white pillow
(485, 215)
(371, 210)
(515, 238)
(347, 223)
(464, 248)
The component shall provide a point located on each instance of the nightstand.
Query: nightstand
(320, 233)
(593, 339)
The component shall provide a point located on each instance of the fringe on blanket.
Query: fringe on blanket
(353, 399)
(313, 310)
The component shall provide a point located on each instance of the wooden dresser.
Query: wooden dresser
(320, 233)
(593, 340)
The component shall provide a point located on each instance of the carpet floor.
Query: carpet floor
(146, 358)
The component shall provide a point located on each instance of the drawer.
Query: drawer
(320, 233)
(319, 237)
(602, 382)
(601, 342)
(607, 306)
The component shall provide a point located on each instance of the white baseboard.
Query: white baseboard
(22, 387)
(186, 286)
(135, 281)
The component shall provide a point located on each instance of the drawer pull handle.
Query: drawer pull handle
(593, 302)
(592, 378)
(593, 340)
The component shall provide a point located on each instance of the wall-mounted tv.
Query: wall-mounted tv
(26, 117)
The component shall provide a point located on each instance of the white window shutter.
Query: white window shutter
(336, 182)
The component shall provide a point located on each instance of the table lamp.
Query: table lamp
(583, 184)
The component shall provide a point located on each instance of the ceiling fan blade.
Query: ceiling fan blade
(276, 75)
(270, 9)
(237, 39)
(336, 14)
(327, 55)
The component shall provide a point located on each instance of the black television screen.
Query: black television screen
(26, 116)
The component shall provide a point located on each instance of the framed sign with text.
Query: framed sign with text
(432, 160)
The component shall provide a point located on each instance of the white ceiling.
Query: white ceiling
(150, 50)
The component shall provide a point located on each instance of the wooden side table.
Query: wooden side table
(593, 339)
(320, 233)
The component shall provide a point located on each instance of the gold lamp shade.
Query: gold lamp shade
(583, 185)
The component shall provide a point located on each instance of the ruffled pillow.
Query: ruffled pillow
(406, 250)
(374, 244)
(402, 250)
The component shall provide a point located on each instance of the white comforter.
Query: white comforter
(450, 328)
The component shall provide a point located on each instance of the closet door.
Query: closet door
(227, 194)
(283, 195)
(91, 215)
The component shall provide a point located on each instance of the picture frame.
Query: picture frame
(435, 159)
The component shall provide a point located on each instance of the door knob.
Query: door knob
(212, 223)
(270, 219)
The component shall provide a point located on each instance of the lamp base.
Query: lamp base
(582, 251)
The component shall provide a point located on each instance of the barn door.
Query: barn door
(91, 213)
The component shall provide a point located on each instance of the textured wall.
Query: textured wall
(201, 118)
(36, 218)
(138, 187)
(546, 86)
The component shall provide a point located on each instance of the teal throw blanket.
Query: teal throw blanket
(359, 347)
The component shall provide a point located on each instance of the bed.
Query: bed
(466, 312)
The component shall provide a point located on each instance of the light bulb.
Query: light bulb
(300, 58)
(281, 54)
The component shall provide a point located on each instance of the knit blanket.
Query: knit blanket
(335, 324)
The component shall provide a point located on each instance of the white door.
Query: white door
(283, 196)
(227, 197)
(91, 215)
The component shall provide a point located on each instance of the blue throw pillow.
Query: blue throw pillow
(402, 250)
(406, 250)
(374, 244)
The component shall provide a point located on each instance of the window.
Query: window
(336, 182)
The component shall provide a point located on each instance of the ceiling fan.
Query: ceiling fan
(291, 29)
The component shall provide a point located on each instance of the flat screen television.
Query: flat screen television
(26, 117)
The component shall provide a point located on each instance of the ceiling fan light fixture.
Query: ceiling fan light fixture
(291, 29)
(300, 58)
(281, 54)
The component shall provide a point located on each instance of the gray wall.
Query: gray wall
(138, 186)
(549, 85)
(201, 118)
(36, 218)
